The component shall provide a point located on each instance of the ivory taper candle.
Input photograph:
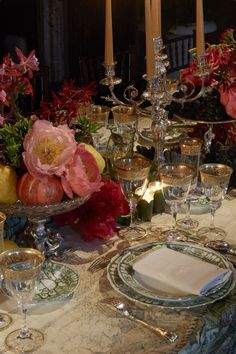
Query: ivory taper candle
(108, 57)
(156, 18)
(200, 40)
(149, 41)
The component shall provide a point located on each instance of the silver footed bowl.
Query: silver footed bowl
(42, 210)
(36, 234)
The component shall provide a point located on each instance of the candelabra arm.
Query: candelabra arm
(188, 87)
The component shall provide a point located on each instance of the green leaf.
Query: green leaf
(12, 137)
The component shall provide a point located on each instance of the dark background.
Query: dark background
(84, 25)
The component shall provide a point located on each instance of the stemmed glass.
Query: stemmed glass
(190, 153)
(5, 319)
(132, 173)
(100, 115)
(215, 179)
(176, 180)
(21, 268)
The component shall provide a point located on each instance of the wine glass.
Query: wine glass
(124, 116)
(100, 115)
(190, 153)
(215, 179)
(132, 173)
(21, 268)
(5, 319)
(176, 180)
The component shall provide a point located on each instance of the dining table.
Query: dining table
(77, 322)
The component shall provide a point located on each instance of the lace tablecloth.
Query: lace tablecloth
(78, 324)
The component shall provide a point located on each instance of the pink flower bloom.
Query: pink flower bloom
(3, 98)
(82, 176)
(228, 99)
(2, 120)
(29, 63)
(48, 149)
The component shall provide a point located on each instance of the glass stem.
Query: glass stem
(187, 208)
(24, 332)
(212, 224)
(173, 210)
(132, 207)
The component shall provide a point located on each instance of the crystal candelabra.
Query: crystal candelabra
(160, 92)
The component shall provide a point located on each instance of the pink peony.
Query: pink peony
(48, 149)
(82, 176)
(228, 99)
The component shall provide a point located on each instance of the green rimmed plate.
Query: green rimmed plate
(57, 282)
(131, 291)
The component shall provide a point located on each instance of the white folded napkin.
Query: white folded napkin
(165, 270)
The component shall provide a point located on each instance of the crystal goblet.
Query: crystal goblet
(215, 179)
(21, 268)
(176, 180)
(124, 116)
(5, 319)
(190, 153)
(132, 173)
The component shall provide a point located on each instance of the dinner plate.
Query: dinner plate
(57, 282)
(126, 273)
(130, 288)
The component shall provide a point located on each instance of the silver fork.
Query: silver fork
(122, 308)
(101, 261)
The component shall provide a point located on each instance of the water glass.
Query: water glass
(100, 115)
(132, 173)
(215, 179)
(5, 319)
(21, 269)
(125, 116)
(176, 181)
(190, 153)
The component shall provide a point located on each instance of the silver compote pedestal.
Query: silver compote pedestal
(44, 239)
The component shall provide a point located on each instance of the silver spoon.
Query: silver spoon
(221, 246)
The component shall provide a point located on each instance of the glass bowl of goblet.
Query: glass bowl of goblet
(21, 269)
(5, 319)
(190, 153)
(175, 180)
(132, 173)
(215, 179)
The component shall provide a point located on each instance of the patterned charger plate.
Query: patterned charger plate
(57, 282)
(121, 279)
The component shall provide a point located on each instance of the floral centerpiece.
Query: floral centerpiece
(219, 102)
(43, 153)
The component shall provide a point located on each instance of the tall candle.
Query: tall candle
(108, 57)
(200, 40)
(156, 18)
(149, 41)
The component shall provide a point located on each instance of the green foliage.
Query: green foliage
(12, 137)
(86, 125)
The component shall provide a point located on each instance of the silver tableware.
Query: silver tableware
(124, 310)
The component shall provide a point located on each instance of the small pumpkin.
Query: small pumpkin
(34, 191)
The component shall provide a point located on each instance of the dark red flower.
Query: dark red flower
(65, 104)
(97, 217)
